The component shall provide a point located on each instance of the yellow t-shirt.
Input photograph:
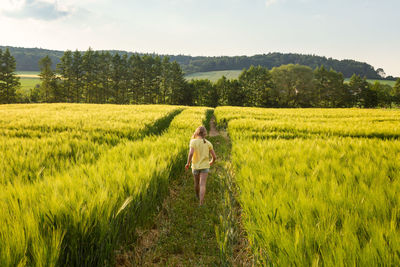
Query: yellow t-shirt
(201, 155)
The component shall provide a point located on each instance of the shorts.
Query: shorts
(196, 172)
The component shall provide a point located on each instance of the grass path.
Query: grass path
(183, 234)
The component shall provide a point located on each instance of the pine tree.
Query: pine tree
(48, 87)
(116, 78)
(125, 79)
(165, 81)
(88, 77)
(179, 95)
(105, 77)
(156, 80)
(136, 76)
(96, 82)
(148, 83)
(222, 87)
(65, 70)
(9, 82)
(77, 76)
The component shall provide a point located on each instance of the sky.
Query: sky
(363, 30)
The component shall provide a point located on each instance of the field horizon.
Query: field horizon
(30, 79)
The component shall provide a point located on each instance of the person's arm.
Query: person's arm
(214, 157)
(191, 151)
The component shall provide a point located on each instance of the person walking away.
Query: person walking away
(199, 156)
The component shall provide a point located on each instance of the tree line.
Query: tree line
(101, 77)
(27, 59)
(293, 86)
(346, 67)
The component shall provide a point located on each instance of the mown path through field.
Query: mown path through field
(183, 234)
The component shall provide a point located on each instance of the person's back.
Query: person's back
(201, 155)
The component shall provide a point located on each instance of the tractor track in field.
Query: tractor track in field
(182, 233)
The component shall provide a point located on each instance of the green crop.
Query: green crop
(318, 186)
(79, 216)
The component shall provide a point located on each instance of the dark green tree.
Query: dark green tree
(384, 94)
(355, 86)
(148, 79)
(230, 92)
(205, 93)
(89, 76)
(165, 81)
(48, 87)
(329, 88)
(77, 77)
(116, 79)
(156, 81)
(361, 92)
(65, 70)
(294, 86)
(223, 88)
(179, 95)
(136, 82)
(35, 95)
(104, 77)
(9, 82)
(258, 86)
(236, 95)
(125, 79)
(396, 92)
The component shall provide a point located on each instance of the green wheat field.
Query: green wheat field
(316, 187)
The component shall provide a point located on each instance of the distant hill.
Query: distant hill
(28, 58)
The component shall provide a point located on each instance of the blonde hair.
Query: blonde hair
(201, 131)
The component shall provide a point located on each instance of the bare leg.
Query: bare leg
(203, 182)
(196, 179)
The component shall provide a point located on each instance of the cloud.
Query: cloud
(36, 9)
(269, 3)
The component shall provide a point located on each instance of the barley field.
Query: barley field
(78, 179)
(317, 187)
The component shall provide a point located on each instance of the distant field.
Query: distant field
(391, 83)
(28, 83)
(234, 74)
(28, 80)
(214, 75)
(30, 74)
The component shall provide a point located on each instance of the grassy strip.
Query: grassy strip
(233, 246)
(183, 234)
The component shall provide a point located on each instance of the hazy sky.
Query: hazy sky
(364, 30)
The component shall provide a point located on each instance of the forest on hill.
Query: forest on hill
(27, 60)
(100, 77)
